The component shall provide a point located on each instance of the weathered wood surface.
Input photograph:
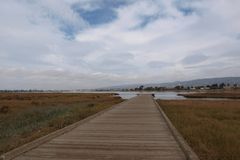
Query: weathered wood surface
(132, 130)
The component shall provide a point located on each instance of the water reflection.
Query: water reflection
(168, 95)
(158, 95)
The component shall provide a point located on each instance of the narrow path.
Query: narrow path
(132, 130)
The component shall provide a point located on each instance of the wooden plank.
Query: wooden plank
(132, 130)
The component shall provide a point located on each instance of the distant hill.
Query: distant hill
(196, 82)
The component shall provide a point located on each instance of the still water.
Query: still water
(167, 95)
(158, 95)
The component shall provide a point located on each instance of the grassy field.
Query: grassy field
(27, 116)
(212, 128)
(232, 94)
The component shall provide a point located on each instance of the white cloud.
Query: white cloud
(150, 41)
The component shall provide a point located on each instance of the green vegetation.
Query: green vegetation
(27, 116)
(212, 128)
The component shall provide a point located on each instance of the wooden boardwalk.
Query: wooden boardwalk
(132, 130)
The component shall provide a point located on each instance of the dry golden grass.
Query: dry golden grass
(232, 94)
(212, 128)
(27, 116)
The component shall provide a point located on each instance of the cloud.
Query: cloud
(238, 36)
(118, 63)
(158, 64)
(53, 79)
(80, 44)
(194, 59)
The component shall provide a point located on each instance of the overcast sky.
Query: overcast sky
(73, 44)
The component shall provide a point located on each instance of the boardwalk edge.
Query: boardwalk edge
(187, 150)
(35, 143)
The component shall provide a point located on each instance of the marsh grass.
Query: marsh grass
(230, 94)
(212, 128)
(30, 116)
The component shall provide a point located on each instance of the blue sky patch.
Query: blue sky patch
(104, 13)
(185, 7)
(98, 16)
(186, 11)
(69, 31)
(114, 3)
(147, 19)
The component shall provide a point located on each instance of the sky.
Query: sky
(83, 44)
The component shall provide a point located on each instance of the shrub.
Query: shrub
(4, 109)
(91, 105)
